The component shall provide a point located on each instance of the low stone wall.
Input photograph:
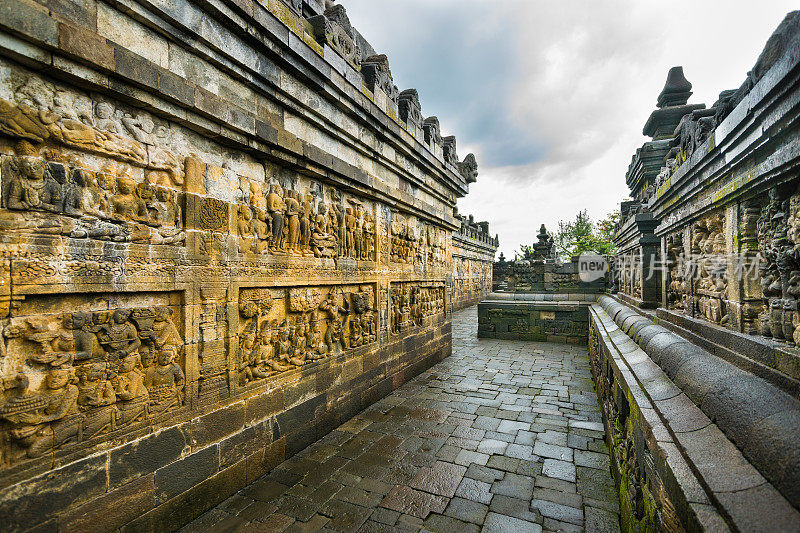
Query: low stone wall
(535, 317)
(542, 277)
(696, 442)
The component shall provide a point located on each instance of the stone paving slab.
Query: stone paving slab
(502, 436)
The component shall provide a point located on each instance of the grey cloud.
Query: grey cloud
(552, 95)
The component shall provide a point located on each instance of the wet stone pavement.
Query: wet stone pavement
(501, 436)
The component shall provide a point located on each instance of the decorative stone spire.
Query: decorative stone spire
(672, 106)
(676, 91)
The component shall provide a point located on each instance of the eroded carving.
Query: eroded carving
(72, 376)
(283, 329)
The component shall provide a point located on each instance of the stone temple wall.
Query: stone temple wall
(224, 232)
(696, 358)
(473, 257)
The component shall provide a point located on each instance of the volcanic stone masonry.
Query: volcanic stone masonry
(225, 231)
(473, 257)
(701, 397)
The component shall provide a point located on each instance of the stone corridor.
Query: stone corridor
(501, 436)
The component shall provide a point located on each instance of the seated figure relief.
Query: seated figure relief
(83, 374)
(411, 303)
(105, 205)
(295, 327)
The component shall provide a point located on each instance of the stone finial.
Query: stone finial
(377, 74)
(334, 27)
(469, 168)
(410, 109)
(295, 5)
(677, 89)
(433, 133)
(449, 148)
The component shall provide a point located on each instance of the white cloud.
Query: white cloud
(552, 96)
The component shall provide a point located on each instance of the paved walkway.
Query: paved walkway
(501, 436)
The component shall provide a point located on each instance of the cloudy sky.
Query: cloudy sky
(551, 96)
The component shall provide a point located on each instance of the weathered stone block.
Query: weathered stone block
(146, 455)
(87, 45)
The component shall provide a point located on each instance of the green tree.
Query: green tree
(580, 235)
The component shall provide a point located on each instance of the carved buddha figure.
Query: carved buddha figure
(244, 227)
(165, 334)
(372, 327)
(106, 120)
(284, 345)
(341, 238)
(94, 390)
(358, 232)
(266, 349)
(31, 188)
(306, 223)
(293, 220)
(369, 236)
(112, 132)
(85, 198)
(262, 231)
(127, 205)
(247, 344)
(322, 241)
(141, 127)
(276, 208)
(108, 184)
(316, 348)
(252, 365)
(120, 338)
(78, 326)
(165, 381)
(256, 198)
(299, 344)
(167, 210)
(350, 223)
(334, 336)
(132, 396)
(53, 421)
(356, 336)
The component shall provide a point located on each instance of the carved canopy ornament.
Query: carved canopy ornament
(469, 168)
(449, 148)
(335, 29)
(377, 74)
(410, 109)
(433, 135)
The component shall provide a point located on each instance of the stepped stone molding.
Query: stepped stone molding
(676, 420)
(750, 412)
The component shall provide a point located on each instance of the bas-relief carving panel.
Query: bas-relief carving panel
(281, 329)
(416, 242)
(77, 366)
(412, 303)
(98, 198)
(763, 260)
(472, 278)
